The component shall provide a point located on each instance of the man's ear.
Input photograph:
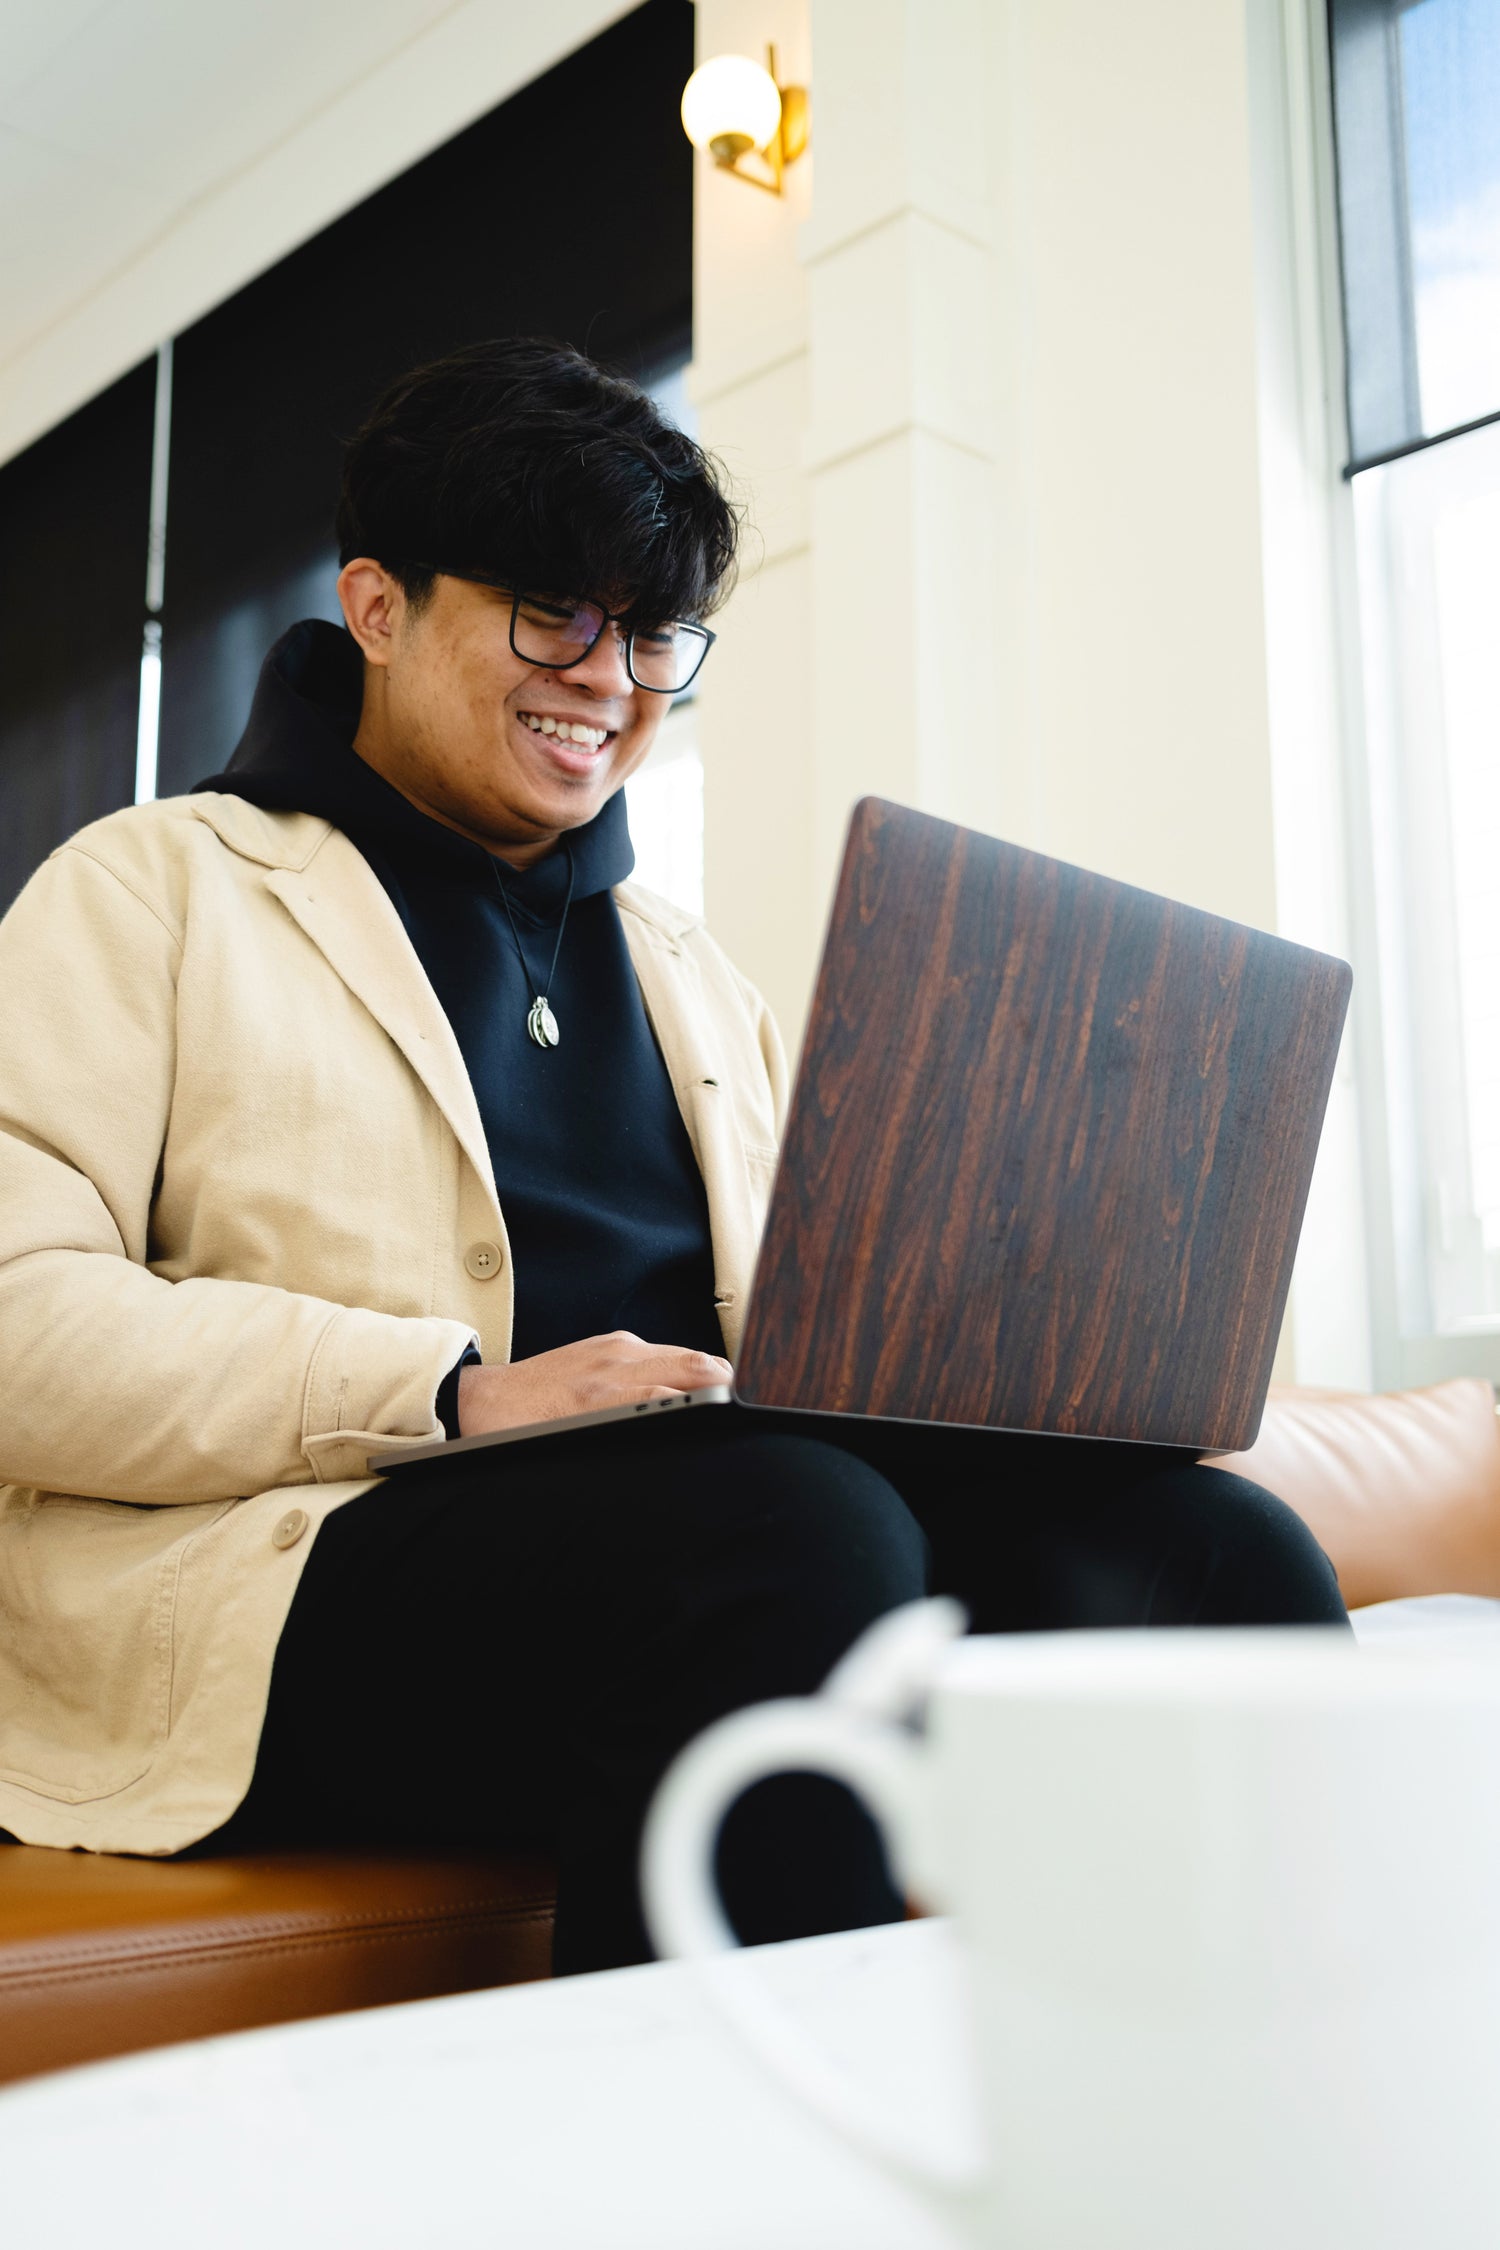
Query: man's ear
(373, 604)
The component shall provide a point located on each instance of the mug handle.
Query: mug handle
(882, 1764)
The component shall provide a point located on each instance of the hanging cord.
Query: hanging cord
(541, 1022)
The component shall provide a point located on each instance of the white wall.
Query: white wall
(997, 397)
(1016, 352)
(749, 385)
(1126, 286)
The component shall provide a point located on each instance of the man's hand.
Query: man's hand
(617, 1370)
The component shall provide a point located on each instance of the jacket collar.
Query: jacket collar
(291, 839)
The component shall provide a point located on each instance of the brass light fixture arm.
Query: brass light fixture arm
(785, 145)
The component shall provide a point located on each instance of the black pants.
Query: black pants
(511, 1653)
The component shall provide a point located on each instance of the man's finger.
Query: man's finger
(704, 1367)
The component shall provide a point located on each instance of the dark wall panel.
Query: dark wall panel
(74, 513)
(566, 212)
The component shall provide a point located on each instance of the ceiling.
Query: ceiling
(154, 154)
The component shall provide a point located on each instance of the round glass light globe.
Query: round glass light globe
(731, 96)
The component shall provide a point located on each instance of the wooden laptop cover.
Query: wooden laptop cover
(1048, 1153)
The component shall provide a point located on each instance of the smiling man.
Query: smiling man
(360, 1096)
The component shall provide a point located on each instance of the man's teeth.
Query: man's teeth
(590, 738)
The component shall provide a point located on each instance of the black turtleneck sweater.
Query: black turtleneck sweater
(604, 1204)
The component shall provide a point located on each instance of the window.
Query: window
(1416, 98)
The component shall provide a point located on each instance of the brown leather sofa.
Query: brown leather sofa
(1402, 1490)
(99, 1956)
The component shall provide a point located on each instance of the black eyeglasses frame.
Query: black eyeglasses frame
(608, 617)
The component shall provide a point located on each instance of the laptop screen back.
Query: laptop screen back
(1048, 1151)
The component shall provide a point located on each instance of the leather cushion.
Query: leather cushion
(100, 1956)
(1402, 1491)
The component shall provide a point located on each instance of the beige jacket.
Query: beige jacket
(247, 1222)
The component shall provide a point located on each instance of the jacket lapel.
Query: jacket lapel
(341, 905)
(338, 902)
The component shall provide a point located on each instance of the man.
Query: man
(359, 1096)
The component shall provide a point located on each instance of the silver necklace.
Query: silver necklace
(541, 1023)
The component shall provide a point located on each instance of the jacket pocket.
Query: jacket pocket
(88, 1596)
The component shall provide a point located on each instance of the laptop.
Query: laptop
(1045, 1163)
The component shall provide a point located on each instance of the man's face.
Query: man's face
(456, 721)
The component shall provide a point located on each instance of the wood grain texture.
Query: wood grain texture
(1048, 1154)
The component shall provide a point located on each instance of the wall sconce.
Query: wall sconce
(738, 112)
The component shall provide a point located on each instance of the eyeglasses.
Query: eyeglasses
(555, 634)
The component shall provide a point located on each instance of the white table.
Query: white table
(1430, 1620)
(600, 2113)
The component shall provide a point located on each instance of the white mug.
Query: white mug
(1229, 1905)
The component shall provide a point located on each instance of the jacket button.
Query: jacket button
(290, 1529)
(483, 1260)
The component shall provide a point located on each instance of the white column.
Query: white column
(996, 412)
(749, 385)
(899, 451)
(1126, 293)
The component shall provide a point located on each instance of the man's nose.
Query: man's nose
(604, 669)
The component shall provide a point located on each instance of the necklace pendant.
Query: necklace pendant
(542, 1023)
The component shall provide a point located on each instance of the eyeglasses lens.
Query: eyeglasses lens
(556, 634)
(667, 658)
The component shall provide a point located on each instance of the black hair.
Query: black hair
(523, 461)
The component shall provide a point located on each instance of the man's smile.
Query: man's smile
(575, 745)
